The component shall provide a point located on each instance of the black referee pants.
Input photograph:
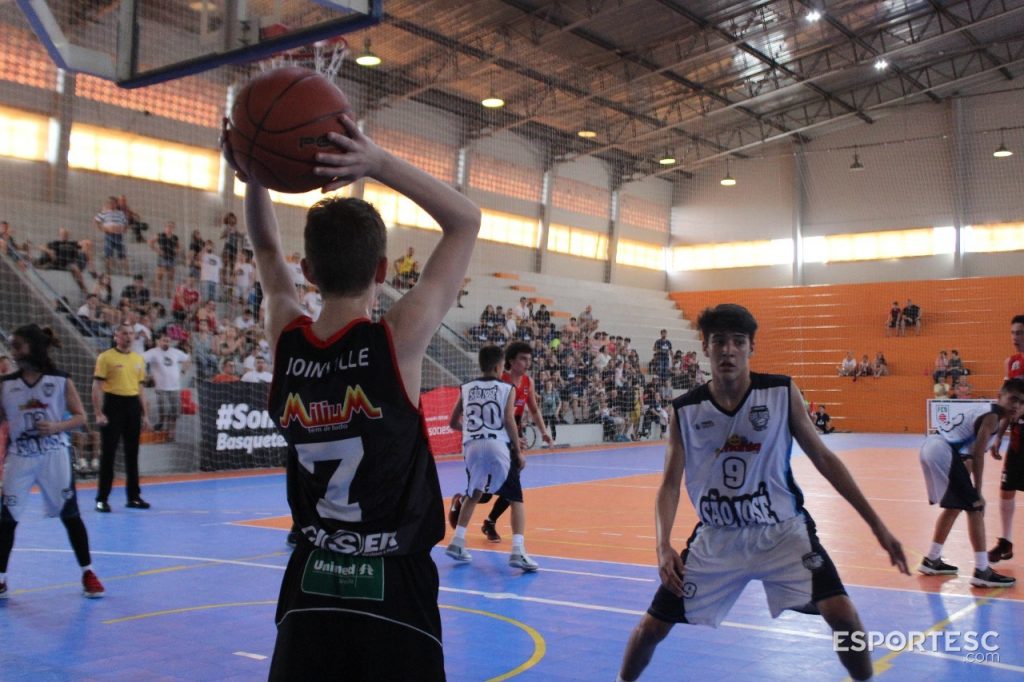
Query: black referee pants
(124, 421)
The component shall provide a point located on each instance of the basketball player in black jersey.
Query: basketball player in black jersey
(359, 597)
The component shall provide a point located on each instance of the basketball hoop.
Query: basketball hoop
(324, 56)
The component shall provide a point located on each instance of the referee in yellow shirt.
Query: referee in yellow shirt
(121, 412)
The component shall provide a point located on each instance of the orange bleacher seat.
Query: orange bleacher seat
(524, 288)
(506, 275)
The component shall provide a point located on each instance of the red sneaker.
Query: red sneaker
(91, 585)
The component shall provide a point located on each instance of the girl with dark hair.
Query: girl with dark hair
(40, 405)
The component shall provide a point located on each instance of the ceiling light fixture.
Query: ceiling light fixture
(367, 58)
(728, 180)
(813, 15)
(667, 159)
(1002, 152)
(587, 132)
(856, 165)
(492, 101)
(881, 64)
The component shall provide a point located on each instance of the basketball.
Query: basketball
(279, 121)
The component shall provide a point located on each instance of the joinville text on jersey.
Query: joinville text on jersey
(311, 369)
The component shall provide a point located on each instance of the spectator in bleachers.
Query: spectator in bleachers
(955, 369)
(201, 345)
(662, 355)
(881, 365)
(65, 254)
(587, 321)
(196, 247)
(168, 252)
(91, 315)
(232, 237)
(941, 369)
(186, 300)
(510, 325)
(259, 373)
(570, 330)
(822, 420)
(864, 368)
(113, 223)
(910, 317)
(519, 310)
(941, 389)
(210, 266)
(137, 293)
(893, 321)
(208, 313)
(103, 289)
(245, 278)
(848, 367)
(312, 302)
(497, 336)
(550, 403)
(463, 291)
(543, 315)
(227, 374)
(142, 335)
(244, 320)
(406, 270)
(963, 389)
(134, 221)
(8, 245)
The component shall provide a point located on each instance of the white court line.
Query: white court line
(597, 575)
(177, 557)
(255, 657)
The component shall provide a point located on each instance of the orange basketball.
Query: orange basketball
(278, 123)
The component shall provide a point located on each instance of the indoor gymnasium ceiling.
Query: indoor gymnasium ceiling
(699, 80)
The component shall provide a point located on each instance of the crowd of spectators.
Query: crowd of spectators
(900, 319)
(584, 374)
(865, 367)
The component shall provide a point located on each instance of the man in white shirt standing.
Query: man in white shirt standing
(259, 374)
(142, 336)
(210, 265)
(166, 365)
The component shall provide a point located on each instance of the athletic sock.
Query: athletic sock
(3, 577)
(981, 561)
(1006, 513)
(86, 568)
(460, 534)
(518, 544)
(935, 552)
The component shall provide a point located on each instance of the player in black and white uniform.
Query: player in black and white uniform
(359, 596)
(485, 414)
(34, 402)
(732, 438)
(969, 435)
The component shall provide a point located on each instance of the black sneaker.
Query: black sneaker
(453, 511)
(989, 578)
(1002, 550)
(936, 567)
(102, 506)
(137, 503)
(490, 531)
(293, 538)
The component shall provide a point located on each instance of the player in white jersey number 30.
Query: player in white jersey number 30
(732, 438)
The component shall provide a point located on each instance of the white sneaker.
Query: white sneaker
(458, 552)
(523, 561)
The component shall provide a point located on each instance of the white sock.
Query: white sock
(1006, 514)
(460, 534)
(981, 561)
(935, 552)
(518, 544)
(3, 577)
(86, 568)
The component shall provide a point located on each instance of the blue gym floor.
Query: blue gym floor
(191, 584)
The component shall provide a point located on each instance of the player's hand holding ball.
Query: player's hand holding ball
(357, 156)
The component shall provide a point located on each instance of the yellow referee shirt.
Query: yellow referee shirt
(121, 373)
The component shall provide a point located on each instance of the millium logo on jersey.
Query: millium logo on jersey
(759, 417)
(33, 404)
(737, 443)
(323, 413)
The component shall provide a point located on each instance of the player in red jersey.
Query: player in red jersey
(1013, 468)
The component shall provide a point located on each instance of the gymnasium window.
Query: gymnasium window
(396, 209)
(501, 177)
(993, 238)
(119, 153)
(304, 200)
(508, 228)
(640, 254)
(23, 135)
(732, 255)
(930, 241)
(643, 213)
(577, 242)
(580, 197)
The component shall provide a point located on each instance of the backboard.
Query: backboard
(142, 42)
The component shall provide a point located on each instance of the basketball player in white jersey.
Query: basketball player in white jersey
(969, 435)
(490, 443)
(34, 402)
(732, 438)
(359, 596)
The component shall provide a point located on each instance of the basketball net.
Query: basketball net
(324, 56)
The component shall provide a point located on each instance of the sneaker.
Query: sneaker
(989, 578)
(102, 506)
(523, 561)
(490, 531)
(1002, 550)
(936, 567)
(91, 586)
(137, 503)
(458, 552)
(3, 590)
(453, 511)
(95, 465)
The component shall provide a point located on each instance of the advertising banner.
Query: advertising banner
(437, 411)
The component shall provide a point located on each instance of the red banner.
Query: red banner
(437, 412)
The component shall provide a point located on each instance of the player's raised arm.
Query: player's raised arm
(670, 564)
(836, 473)
(278, 291)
